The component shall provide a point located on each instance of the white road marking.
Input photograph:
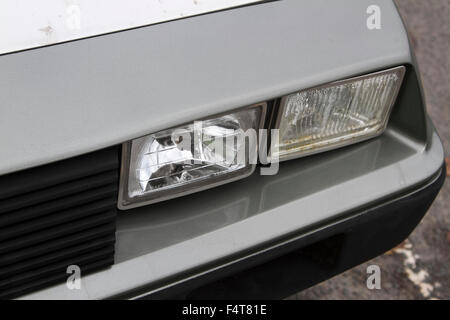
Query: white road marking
(418, 277)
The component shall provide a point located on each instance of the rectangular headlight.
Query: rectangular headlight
(336, 114)
(189, 158)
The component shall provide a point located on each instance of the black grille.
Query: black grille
(54, 216)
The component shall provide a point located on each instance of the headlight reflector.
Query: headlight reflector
(189, 158)
(336, 114)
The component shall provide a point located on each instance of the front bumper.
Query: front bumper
(363, 200)
(316, 256)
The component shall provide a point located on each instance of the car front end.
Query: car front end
(71, 111)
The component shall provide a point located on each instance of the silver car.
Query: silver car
(236, 149)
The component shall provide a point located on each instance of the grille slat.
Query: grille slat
(57, 192)
(56, 278)
(54, 233)
(41, 261)
(58, 205)
(56, 219)
(54, 246)
(57, 173)
(59, 267)
(54, 216)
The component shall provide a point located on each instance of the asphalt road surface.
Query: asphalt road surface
(420, 267)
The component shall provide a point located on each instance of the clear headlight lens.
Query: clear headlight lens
(336, 114)
(189, 158)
